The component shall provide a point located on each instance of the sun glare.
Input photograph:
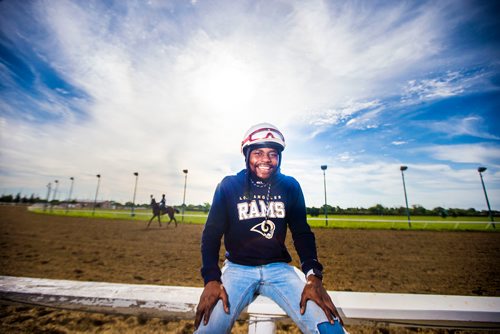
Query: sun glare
(225, 84)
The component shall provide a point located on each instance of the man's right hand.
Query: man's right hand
(211, 294)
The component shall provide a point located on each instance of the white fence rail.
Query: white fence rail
(180, 302)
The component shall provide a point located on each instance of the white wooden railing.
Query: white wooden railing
(180, 302)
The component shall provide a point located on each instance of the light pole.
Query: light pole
(49, 186)
(55, 193)
(70, 192)
(481, 170)
(185, 171)
(324, 167)
(135, 190)
(96, 191)
(403, 168)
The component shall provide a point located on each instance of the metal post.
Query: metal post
(96, 192)
(481, 170)
(324, 167)
(70, 192)
(132, 213)
(403, 168)
(55, 193)
(49, 186)
(185, 171)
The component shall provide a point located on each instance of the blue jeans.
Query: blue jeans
(278, 281)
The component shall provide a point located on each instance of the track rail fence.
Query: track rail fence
(176, 302)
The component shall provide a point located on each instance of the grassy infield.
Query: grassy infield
(334, 221)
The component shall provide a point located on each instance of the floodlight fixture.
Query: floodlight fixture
(490, 214)
(185, 171)
(55, 194)
(96, 192)
(132, 213)
(70, 192)
(49, 187)
(403, 168)
(323, 168)
(55, 190)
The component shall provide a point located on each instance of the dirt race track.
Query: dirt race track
(35, 245)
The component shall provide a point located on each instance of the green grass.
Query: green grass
(140, 214)
(334, 221)
(401, 222)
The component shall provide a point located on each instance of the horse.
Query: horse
(160, 211)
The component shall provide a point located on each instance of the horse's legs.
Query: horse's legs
(159, 220)
(150, 221)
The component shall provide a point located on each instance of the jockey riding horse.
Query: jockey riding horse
(160, 211)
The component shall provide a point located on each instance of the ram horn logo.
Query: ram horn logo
(266, 228)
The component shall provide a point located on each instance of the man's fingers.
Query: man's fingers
(225, 301)
(334, 311)
(328, 313)
(197, 320)
(337, 315)
(303, 303)
(207, 316)
(212, 292)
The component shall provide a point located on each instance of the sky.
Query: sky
(156, 87)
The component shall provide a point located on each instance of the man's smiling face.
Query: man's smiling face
(263, 162)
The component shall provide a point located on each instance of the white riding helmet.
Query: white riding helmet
(263, 135)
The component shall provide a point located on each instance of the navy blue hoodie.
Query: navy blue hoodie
(249, 239)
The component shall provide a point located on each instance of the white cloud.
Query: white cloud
(355, 115)
(451, 83)
(466, 153)
(342, 114)
(469, 126)
(345, 157)
(169, 88)
(368, 120)
(365, 185)
(350, 40)
(426, 89)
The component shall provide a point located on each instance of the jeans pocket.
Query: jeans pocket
(328, 328)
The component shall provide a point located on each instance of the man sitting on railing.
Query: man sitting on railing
(253, 210)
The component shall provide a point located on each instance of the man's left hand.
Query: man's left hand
(315, 291)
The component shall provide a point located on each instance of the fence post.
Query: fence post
(261, 324)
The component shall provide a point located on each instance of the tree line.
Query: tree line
(415, 210)
(376, 210)
(18, 199)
